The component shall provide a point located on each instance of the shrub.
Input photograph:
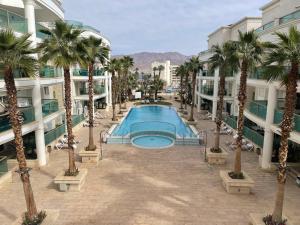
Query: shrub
(37, 220)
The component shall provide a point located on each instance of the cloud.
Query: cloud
(159, 25)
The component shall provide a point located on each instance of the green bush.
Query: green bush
(37, 220)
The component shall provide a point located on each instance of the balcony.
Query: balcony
(27, 116)
(52, 135)
(290, 17)
(98, 90)
(50, 72)
(257, 74)
(278, 116)
(265, 27)
(39, 34)
(207, 90)
(252, 135)
(258, 108)
(76, 119)
(49, 106)
(85, 73)
(207, 73)
(13, 21)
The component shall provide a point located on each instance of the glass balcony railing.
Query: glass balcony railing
(278, 116)
(39, 34)
(50, 72)
(26, 115)
(258, 108)
(257, 74)
(49, 106)
(85, 73)
(207, 73)
(13, 21)
(98, 90)
(52, 135)
(290, 17)
(265, 27)
(3, 165)
(207, 90)
(248, 133)
(76, 119)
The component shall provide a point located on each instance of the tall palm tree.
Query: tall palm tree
(249, 51)
(180, 72)
(93, 52)
(64, 49)
(225, 58)
(282, 63)
(128, 63)
(16, 55)
(160, 68)
(194, 66)
(112, 67)
(120, 82)
(154, 71)
(186, 81)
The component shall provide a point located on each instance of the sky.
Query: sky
(159, 25)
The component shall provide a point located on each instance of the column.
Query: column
(215, 95)
(269, 135)
(36, 91)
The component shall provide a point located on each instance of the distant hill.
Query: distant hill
(143, 60)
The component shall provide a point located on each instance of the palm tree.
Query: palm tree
(120, 82)
(225, 58)
(132, 83)
(94, 51)
(249, 51)
(112, 67)
(16, 55)
(180, 72)
(194, 66)
(186, 81)
(64, 48)
(157, 80)
(154, 71)
(160, 68)
(127, 63)
(285, 53)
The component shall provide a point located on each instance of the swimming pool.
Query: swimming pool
(153, 127)
(156, 118)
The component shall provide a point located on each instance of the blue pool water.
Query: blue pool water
(151, 141)
(156, 118)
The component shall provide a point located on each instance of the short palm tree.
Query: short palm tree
(282, 63)
(112, 68)
(249, 51)
(157, 79)
(16, 55)
(64, 49)
(128, 63)
(93, 52)
(225, 58)
(154, 71)
(193, 66)
(180, 72)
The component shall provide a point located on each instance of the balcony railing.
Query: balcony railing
(278, 116)
(39, 34)
(258, 108)
(257, 74)
(207, 73)
(265, 27)
(207, 90)
(290, 17)
(50, 72)
(13, 21)
(27, 116)
(250, 134)
(49, 106)
(52, 135)
(76, 119)
(98, 90)
(85, 72)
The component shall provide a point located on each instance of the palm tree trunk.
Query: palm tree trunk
(186, 90)
(68, 105)
(181, 92)
(91, 146)
(114, 96)
(220, 109)
(286, 128)
(17, 129)
(193, 97)
(126, 89)
(242, 101)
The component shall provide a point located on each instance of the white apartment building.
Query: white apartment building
(265, 100)
(40, 98)
(168, 74)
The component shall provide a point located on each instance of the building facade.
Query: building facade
(40, 98)
(265, 100)
(168, 74)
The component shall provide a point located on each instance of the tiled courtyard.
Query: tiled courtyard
(150, 187)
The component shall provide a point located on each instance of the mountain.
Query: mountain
(143, 60)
